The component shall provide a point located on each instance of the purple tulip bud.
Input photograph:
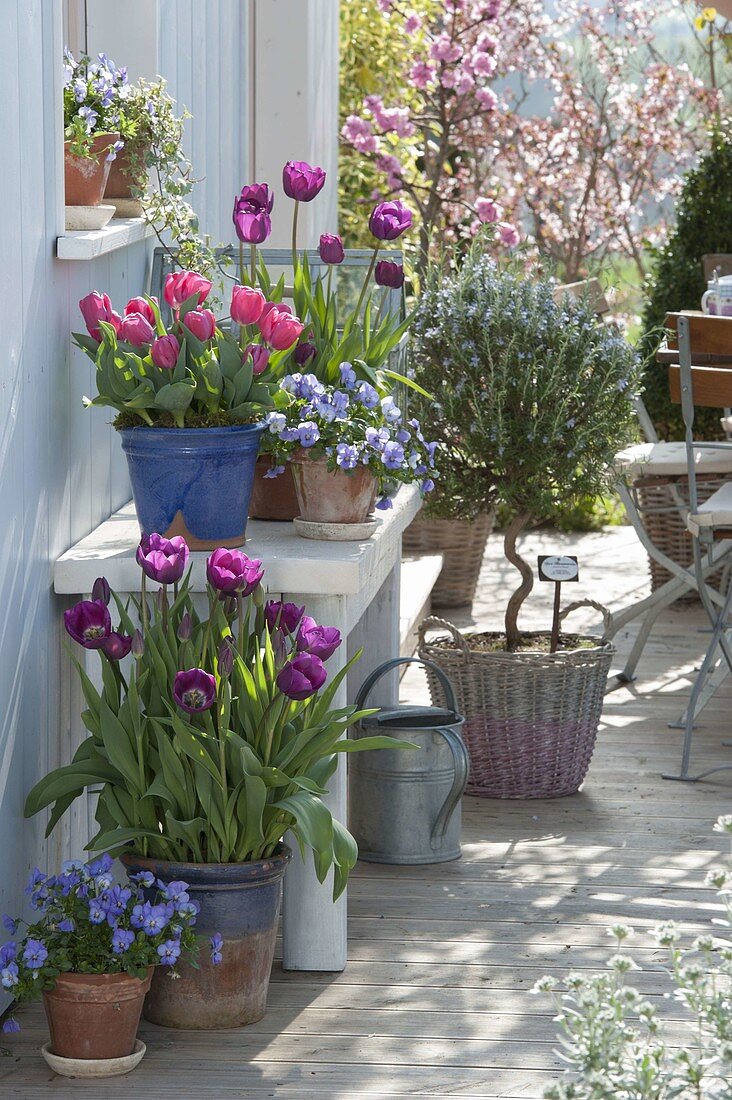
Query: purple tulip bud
(88, 622)
(389, 274)
(331, 249)
(101, 591)
(260, 357)
(321, 641)
(302, 676)
(165, 352)
(302, 181)
(389, 220)
(162, 560)
(226, 659)
(116, 646)
(137, 648)
(160, 600)
(287, 616)
(194, 690)
(252, 211)
(230, 571)
(185, 628)
(304, 353)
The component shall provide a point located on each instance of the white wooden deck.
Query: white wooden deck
(434, 1001)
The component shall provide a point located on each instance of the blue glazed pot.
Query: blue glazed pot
(194, 482)
(242, 902)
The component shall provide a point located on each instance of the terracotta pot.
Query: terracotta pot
(273, 497)
(95, 1015)
(241, 901)
(86, 177)
(121, 178)
(332, 496)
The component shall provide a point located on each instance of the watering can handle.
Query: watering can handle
(388, 666)
(461, 761)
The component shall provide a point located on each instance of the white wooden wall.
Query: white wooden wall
(61, 467)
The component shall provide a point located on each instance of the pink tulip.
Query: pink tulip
(247, 304)
(141, 305)
(136, 330)
(201, 322)
(96, 307)
(180, 285)
(260, 357)
(165, 351)
(277, 323)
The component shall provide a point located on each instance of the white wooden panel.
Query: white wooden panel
(125, 32)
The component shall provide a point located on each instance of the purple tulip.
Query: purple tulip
(162, 560)
(89, 623)
(301, 181)
(304, 353)
(226, 659)
(136, 330)
(260, 357)
(302, 676)
(165, 352)
(101, 592)
(116, 646)
(232, 572)
(185, 628)
(389, 220)
(321, 641)
(194, 690)
(287, 616)
(331, 249)
(389, 274)
(252, 211)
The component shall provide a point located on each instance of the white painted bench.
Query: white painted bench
(351, 585)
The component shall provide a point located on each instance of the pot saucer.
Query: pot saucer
(335, 532)
(88, 218)
(93, 1067)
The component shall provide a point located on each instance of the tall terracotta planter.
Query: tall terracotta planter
(120, 183)
(85, 178)
(462, 543)
(332, 496)
(95, 1015)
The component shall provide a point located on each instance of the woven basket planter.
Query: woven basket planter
(462, 544)
(531, 718)
(667, 530)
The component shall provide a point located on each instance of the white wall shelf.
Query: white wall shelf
(89, 245)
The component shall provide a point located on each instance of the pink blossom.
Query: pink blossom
(487, 98)
(444, 49)
(412, 23)
(422, 74)
(385, 6)
(488, 210)
(508, 234)
(483, 64)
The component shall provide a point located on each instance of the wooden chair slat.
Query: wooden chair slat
(712, 386)
(709, 335)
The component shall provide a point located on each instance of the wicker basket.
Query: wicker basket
(462, 543)
(666, 528)
(531, 718)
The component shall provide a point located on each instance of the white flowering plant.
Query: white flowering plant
(612, 1041)
(351, 426)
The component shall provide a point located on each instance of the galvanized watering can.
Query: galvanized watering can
(405, 803)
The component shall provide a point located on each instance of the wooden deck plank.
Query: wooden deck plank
(435, 1000)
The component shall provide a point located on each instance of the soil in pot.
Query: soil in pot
(241, 901)
(273, 498)
(95, 1015)
(86, 177)
(332, 496)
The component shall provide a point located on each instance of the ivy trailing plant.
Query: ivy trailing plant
(703, 225)
(532, 398)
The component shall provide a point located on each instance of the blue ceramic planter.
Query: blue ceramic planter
(194, 482)
(241, 901)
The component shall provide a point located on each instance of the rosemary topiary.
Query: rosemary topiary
(703, 225)
(531, 398)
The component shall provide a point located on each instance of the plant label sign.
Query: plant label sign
(558, 568)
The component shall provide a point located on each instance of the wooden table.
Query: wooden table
(351, 585)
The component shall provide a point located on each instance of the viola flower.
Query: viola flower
(347, 456)
(10, 1026)
(392, 412)
(194, 690)
(302, 676)
(321, 641)
(232, 572)
(9, 924)
(252, 211)
(88, 623)
(287, 616)
(100, 866)
(302, 181)
(66, 925)
(97, 913)
(162, 560)
(169, 952)
(331, 249)
(389, 220)
(8, 952)
(35, 954)
(393, 456)
(367, 395)
(182, 285)
(274, 471)
(116, 646)
(348, 376)
(122, 940)
(9, 975)
(216, 944)
(308, 433)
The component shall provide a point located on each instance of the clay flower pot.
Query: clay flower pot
(86, 177)
(120, 183)
(95, 1015)
(332, 496)
(273, 497)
